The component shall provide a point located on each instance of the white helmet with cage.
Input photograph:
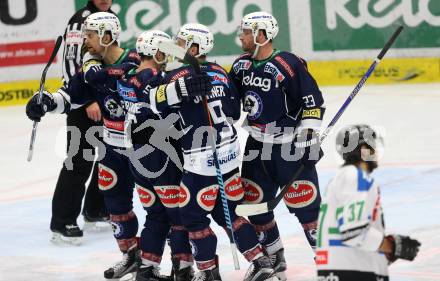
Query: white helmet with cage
(195, 33)
(103, 22)
(260, 21)
(147, 43)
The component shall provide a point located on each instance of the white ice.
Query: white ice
(407, 114)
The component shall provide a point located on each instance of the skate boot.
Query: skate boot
(98, 223)
(260, 269)
(67, 234)
(181, 274)
(208, 275)
(129, 265)
(279, 264)
(151, 273)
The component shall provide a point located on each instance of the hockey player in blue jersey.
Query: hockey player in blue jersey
(199, 189)
(285, 108)
(116, 180)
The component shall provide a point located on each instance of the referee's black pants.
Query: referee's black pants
(70, 188)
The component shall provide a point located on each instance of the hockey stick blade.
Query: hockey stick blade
(250, 210)
(40, 94)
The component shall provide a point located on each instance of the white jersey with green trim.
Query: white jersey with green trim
(351, 226)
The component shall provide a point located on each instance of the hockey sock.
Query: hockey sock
(125, 228)
(180, 247)
(204, 244)
(269, 236)
(310, 230)
(247, 241)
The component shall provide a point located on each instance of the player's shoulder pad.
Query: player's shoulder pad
(243, 62)
(287, 63)
(177, 73)
(216, 67)
(218, 74)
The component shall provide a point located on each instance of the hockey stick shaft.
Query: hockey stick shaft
(40, 94)
(255, 209)
(191, 60)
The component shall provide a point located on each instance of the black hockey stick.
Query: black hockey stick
(261, 208)
(40, 94)
(173, 49)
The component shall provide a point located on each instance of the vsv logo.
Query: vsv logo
(263, 83)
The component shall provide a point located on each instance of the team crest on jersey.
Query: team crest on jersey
(168, 195)
(253, 193)
(241, 65)
(272, 69)
(126, 93)
(118, 229)
(184, 195)
(234, 188)
(253, 105)
(146, 196)
(207, 196)
(300, 194)
(107, 178)
(113, 107)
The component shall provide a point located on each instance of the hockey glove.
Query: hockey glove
(35, 111)
(308, 146)
(195, 85)
(403, 247)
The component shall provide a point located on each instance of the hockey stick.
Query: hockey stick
(180, 53)
(40, 94)
(261, 208)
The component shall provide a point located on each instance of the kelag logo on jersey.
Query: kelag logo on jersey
(262, 83)
(126, 93)
(270, 68)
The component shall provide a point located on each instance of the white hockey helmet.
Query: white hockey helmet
(103, 22)
(260, 21)
(147, 43)
(196, 33)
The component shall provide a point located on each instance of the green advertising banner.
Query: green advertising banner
(221, 16)
(363, 24)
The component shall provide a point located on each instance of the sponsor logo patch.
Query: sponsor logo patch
(285, 65)
(107, 178)
(168, 195)
(272, 69)
(207, 196)
(312, 113)
(160, 94)
(179, 74)
(321, 257)
(234, 188)
(300, 194)
(255, 81)
(146, 196)
(126, 93)
(184, 195)
(241, 65)
(252, 191)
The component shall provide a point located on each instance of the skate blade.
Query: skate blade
(59, 239)
(97, 226)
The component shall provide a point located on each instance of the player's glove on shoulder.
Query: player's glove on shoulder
(194, 85)
(35, 111)
(403, 247)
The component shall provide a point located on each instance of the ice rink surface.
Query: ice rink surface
(407, 115)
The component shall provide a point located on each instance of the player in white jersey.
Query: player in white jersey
(351, 243)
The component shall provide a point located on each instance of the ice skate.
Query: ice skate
(208, 275)
(96, 223)
(125, 268)
(260, 270)
(181, 274)
(279, 264)
(69, 234)
(151, 273)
